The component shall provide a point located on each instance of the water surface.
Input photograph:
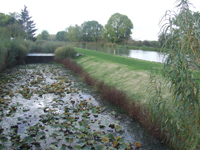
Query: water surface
(46, 106)
(138, 54)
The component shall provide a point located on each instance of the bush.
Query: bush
(65, 52)
(30, 45)
(42, 46)
(5, 45)
(22, 53)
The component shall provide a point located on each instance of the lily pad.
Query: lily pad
(105, 140)
(77, 147)
(99, 147)
(118, 128)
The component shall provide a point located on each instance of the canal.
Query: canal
(45, 106)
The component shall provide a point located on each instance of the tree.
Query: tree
(28, 24)
(179, 112)
(45, 35)
(91, 31)
(163, 40)
(61, 36)
(74, 33)
(11, 26)
(6, 20)
(39, 37)
(118, 28)
(52, 37)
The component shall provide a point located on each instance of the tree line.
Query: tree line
(117, 30)
(18, 25)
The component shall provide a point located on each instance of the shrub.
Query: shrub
(22, 53)
(65, 52)
(12, 53)
(5, 45)
(30, 45)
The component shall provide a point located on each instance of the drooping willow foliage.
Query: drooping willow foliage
(179, 112)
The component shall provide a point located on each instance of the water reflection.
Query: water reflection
(138, 54)
(147, 55)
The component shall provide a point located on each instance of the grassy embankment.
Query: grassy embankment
(126, 74)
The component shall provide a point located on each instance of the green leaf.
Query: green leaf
(63, 147)
(40, 134)
(80, 135)
(105, 140)
(115, 143)
(99, 147)
(77, 147)
(88, 147)
(81, 143)
(110, 136)
(28, 139)
(118, 128)
(53, 146)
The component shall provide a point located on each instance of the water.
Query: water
(147, 55)
(138, 54)
(49, 107)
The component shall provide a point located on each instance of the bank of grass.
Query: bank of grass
(126, 74)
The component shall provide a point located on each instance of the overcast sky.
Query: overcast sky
(56, 15)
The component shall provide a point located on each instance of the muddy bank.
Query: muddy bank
(44, 106)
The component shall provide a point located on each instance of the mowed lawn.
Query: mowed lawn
(127, 74)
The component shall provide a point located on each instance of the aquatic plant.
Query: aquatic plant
(53, 120)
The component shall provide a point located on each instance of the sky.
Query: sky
(57, 15)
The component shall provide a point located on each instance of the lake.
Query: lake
(138, 54)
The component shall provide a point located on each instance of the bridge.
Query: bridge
(39, 57)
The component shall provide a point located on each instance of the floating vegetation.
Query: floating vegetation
(41, 108)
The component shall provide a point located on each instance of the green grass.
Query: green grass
(127, 74)
(135, 64)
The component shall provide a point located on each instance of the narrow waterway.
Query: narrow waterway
(45, 106)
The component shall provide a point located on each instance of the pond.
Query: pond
(138, 54)
(45, 106)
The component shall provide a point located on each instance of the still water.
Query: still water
(45, 106)
(138, 54)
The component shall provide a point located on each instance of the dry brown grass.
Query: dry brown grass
(134, 83)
